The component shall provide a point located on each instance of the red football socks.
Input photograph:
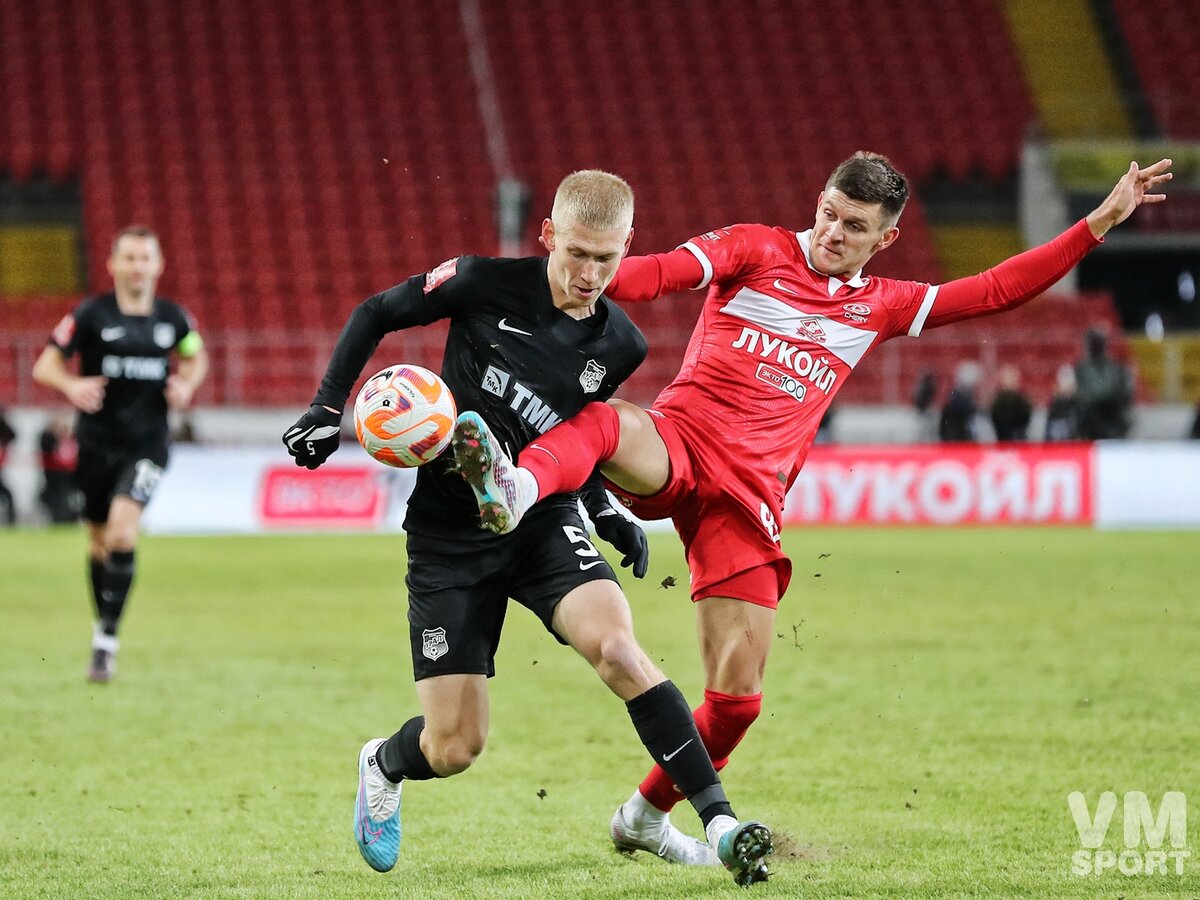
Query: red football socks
(564, 457)
(722, 720)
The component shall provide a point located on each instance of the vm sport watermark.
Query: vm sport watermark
(1145, 834)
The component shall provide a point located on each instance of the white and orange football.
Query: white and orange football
(404, 416)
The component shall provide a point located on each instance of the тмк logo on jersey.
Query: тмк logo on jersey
(495, 381)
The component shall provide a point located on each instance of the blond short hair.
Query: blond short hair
(594, 199)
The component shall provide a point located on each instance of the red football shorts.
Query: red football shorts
(726, 518)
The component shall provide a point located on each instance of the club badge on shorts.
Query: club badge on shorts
(433, 643)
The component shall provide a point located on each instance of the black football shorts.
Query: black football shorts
(103, 472)
(458, 591)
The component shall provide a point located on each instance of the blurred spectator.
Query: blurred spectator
(1104, 390)
(1062, 417)
(825, 427)
(59, 451)
(186, 432)
(1011, 408)
(959, 414)
(1196, 423)
(922, 401)
(8, 509)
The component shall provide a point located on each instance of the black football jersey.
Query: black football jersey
(132, 352)
(511, 355)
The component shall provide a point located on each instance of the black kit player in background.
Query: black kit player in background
(123, 391)
(531, 341)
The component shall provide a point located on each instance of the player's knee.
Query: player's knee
(121, 543)
(631, 417)
(452, 754)
(623, 660)
(120, 538)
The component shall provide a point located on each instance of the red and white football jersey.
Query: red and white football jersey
(775, 342)
(776, 339)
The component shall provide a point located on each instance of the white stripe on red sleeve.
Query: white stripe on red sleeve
(914, 330)
(705, 264)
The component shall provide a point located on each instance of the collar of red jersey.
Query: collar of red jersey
(804, 238)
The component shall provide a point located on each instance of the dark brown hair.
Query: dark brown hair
(871, 178)
(137, 231)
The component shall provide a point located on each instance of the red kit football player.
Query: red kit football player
(786, 318)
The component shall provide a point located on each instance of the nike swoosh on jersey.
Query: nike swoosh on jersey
(112, 334)
(585, 566)
(503, 327)
(780, 286)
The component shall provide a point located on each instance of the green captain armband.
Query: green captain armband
(191, 344)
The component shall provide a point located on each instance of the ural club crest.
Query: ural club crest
(164, 335)
(433, 643)
(591, 377)
(811, 328)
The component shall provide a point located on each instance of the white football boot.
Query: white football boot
(103, 665)
(637, 825)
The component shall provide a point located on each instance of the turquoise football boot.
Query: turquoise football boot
(376, 811)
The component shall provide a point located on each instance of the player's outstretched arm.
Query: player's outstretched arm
(418, 301)
(649, 277)
(1026, 275)
(317, 434)
(1135, 188)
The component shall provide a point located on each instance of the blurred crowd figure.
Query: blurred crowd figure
(1104, 390)
(924, 395)
(1092, 400)
(1011, 407)
(59, 451)
(1062, 416)
(8, 509)
(960, 413)
(185, 431)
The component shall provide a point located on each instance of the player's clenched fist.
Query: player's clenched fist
(314, 437)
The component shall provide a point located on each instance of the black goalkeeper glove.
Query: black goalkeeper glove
(626, 537)
(314, 437)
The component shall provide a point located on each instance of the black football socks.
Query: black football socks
(96, 575)
(118, 577)
(400, 756)
(666, 726)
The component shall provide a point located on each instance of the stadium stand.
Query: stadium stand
(1161, 36)
(297, 156)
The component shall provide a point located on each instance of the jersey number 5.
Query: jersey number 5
(586, 550)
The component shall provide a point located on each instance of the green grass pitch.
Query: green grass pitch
(932, 698)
